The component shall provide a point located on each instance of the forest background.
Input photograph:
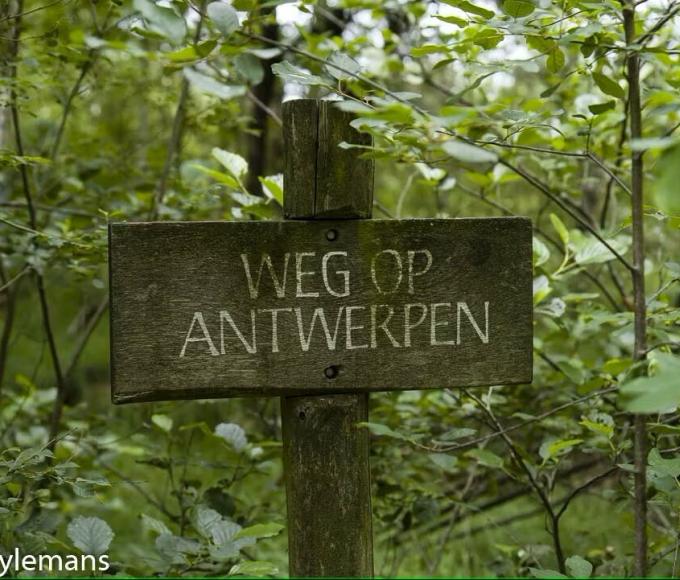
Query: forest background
(564, 111)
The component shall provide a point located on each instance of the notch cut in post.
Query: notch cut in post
(325, 453)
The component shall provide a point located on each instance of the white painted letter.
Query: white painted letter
(484, 336)
(411, 272)
(279, 285)
(224, 315)
(434, 324)
(343, 273)
(198, 317)
(397, 259)
(318, 312)
(408, 327)
(299, 274)
(382, 325)
(350, 328)
(275, 330)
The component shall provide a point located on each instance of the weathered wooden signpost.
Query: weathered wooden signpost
(320, 310)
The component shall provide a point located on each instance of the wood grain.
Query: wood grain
(324, 180)
(324, 449)
(163, 273)
(328, 485)
(300, 140)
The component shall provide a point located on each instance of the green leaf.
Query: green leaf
(541, 288)
(90, 535)
(487, 38)
(540, 43)
(486, 457)
(192, 52)
(555, 308)
(659, 393)
(555, 60)
(455, 434)
(550, 90)
(291, 73)
(217, 175)
(599, 428)
(232, 434)
(154, 525)
(224, 532)
(212, 86)
(589, 250)
(174, 547)
(560, 228)
(599, 108)
(425, 49)
(444, 461)
(541, 253)
(470, 8)
(224, 17)
(552, 449)
(205, 519)
(518, 8)
(383, 431)
(666, 188)
(259, 531)
(272, 187)
(162, 20)
(578, 567)
(468, 153)
(254, 568)
(236, 165)
(349, 66)
(661, 467)
(188, 53)
(163, 422)
(461, 22)
(608, 86)
(249, 67)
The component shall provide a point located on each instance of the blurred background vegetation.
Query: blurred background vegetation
(125, 110)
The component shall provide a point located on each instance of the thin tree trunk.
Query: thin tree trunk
(640, 428)
(9, 323)
(258, 147)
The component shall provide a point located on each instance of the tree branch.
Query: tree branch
(555, 199)
(540, 492)
(42, 295)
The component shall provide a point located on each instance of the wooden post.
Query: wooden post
(325, 454)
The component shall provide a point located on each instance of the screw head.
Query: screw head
(331, 372)
(332, 235)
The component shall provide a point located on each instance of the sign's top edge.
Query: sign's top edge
(317, 221)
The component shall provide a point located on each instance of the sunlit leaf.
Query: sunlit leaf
(232, 434)
(608, 86)
(518, 8)
(658, 393)
(224, 17)
(212, 86)
(236, 165)
(468, 153)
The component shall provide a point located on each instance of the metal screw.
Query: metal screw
(332, 235)
(331, 372)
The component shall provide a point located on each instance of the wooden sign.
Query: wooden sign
(222, 309)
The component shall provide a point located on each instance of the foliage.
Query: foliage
(170, 109)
